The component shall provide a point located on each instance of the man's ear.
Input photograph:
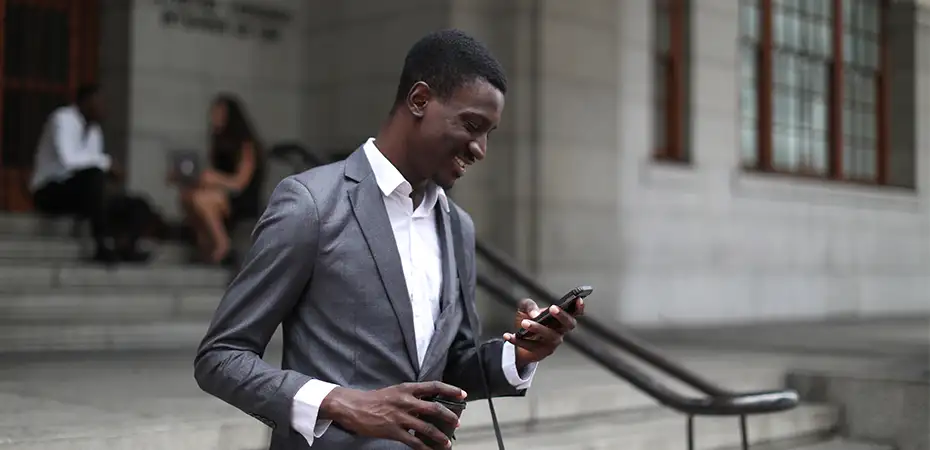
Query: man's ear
(418, 99)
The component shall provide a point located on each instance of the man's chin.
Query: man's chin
(446, 183)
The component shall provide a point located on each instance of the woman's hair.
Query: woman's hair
(238, 128)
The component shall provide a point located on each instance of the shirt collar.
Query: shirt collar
(389, 179)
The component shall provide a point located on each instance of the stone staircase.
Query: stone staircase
(51, 300)
(94, 359)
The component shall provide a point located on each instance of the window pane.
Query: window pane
(848, 8)
(849, 45)
(820, 115)
(826, 39)
(749, 21)
(780, 156)
(659, 97)
(662, 30)
(748, 60)
(819, 152)
(873, 16)
(869, 125)
(750, 154)
(748, 102)
(780, 25)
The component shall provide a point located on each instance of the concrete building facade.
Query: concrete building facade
(571, 186)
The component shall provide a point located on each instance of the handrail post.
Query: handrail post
(744, 433)
(690, 431)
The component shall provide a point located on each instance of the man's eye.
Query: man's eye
(470, 126)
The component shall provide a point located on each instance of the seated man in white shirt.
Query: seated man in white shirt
(71, 171)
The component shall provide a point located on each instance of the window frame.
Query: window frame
(764, 98)
(674, 66)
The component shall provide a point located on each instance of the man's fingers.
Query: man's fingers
(410, 440)
(428, 430)
(528, 307)
(541, 333)
(526, 344)
(579, 310)
(435, 409)
(429, 388)
(564, 318)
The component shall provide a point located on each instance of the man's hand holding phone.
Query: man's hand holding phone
(541, 330)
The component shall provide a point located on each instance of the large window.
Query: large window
(813, 90)
(671, 94)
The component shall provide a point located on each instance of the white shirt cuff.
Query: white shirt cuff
(306, 407)
(518, 380)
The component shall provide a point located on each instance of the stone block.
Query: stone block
(578, 114)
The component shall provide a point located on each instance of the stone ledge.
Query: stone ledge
(119, 305)
(26, 250)
(51, 275)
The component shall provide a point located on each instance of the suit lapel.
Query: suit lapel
(368, 206)
(449, 270)
(449, 292)
(455, 226)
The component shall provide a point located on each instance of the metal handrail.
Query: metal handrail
(729, 404)
(719, 401)
(632, 345)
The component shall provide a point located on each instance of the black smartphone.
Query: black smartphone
(568, 303)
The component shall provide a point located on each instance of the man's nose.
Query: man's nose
(477, 150)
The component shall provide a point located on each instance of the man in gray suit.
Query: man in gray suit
(355, 259)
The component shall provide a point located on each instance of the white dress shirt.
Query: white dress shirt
(420, 254)
(66, 147)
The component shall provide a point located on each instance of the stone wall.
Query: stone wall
(712, 243)
(173, 70)
(569, 186)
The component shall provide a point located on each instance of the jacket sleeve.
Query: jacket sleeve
(273, 277)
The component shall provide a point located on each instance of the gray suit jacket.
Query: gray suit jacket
(324, 263)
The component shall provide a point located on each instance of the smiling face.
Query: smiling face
(452, 134)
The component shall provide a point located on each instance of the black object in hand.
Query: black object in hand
(456, 406)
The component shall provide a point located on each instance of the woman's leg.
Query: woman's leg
(196, 223)
(212, 206)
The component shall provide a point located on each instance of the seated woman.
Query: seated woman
(229, 187)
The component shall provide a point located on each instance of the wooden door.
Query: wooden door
(47, 49)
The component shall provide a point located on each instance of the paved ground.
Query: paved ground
(63, 391)
(76, 394)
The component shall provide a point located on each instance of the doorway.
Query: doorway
(47, 49)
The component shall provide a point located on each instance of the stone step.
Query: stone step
(149, 400)
(27, 250)
(102, 306)
(656, 429)
(26, 225)
(69, 336)
(841, 444)
(24, 278)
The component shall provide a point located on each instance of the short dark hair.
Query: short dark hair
(445, 60)
(85, 92)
